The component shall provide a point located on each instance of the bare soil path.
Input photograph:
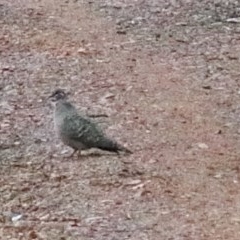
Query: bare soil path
(167, 74)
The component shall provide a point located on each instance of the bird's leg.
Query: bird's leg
(75, 150)
(79, 153)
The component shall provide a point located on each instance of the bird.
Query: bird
(77, 131)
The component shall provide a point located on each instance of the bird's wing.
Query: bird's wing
(82, 129)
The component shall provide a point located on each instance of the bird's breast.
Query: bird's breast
(58, 123)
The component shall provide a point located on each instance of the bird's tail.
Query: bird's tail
(112, 146)
(121, 148)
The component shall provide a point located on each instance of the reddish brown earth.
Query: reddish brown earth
(167, 74)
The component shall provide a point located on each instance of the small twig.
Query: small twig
(97, 115)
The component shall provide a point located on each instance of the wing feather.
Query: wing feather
(83, 130)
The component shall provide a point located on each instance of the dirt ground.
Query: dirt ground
(167, 75)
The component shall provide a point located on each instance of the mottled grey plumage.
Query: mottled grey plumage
(77, 131)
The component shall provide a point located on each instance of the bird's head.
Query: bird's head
(57, 95)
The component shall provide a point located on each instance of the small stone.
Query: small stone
(218, 176)
(16, 217)
(208, 87)
(202, 145)
(82, 50)
(17, 143)
(134, 182)
(121, 31)
(33, 235)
